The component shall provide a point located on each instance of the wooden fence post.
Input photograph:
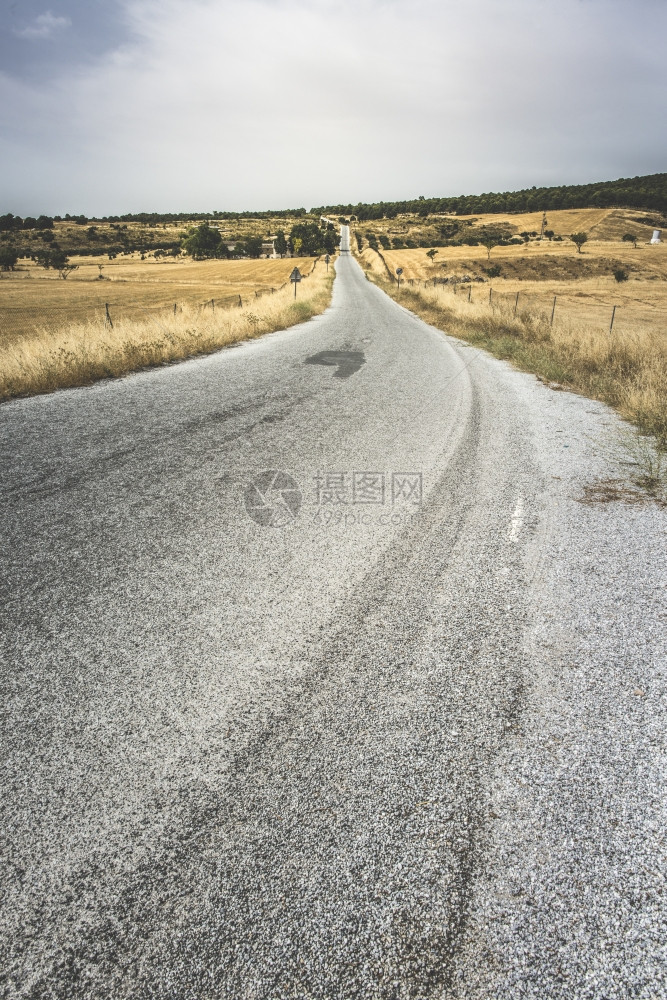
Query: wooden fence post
(553, 310)
(613, 313)
(108, 315)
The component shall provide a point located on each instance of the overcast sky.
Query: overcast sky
(111, 106)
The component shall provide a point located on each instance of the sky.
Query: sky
(114, 106)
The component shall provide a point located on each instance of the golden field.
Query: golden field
(77, 352)
(32, 298)
(626, 367)
(584, 286)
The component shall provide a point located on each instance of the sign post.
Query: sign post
(327, 259)
(295, 278)
(399, 272)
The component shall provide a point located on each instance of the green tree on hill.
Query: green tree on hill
(311, 236)
(55, 258)
(331, 241)
(8, 258)
(203, 243)
(579, 239)
(489, 242)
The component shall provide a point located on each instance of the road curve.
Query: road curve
(320, 681)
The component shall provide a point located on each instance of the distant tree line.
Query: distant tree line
(647, 192)
(13, 223)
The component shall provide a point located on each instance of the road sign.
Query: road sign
(295, 278)
(399, 270)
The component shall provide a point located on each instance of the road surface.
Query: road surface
(320, 681)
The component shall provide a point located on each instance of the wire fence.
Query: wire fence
(29, 306)
(567, 307)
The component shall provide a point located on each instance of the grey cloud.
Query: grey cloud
(43, 26)
(262, 103)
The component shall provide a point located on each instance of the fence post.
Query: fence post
(213, 304)
(108, 315)
(469, 292)
(516, 303)
(240, 302)
(613, 313)
(490, 294)
(174, 308)
(553, 310)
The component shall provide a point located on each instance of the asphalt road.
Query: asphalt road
(320, 681)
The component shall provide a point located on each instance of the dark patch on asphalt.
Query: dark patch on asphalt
(346, 362)
(55, 481)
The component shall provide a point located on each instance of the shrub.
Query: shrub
(8, 258)
(620, 274)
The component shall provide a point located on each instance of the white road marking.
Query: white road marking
(516, 523)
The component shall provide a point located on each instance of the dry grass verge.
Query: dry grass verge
(81, 353)
(627, 370)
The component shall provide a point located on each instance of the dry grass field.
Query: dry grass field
(585, 288)
(626, 367)
(77, 351)
(32, 298)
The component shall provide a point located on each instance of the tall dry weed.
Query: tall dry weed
(627, 369)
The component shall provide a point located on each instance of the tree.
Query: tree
(30, 223)
(630, 238)
(331, 241)
(57, 259)
(311, 237)
(297, 243)
(579, 239)
(253, 246)
(203, 242)
(44, 222)
(10, 222)
(280, 243)
(620, 274)
(8, 258)
(431, 254)
(489, 242)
